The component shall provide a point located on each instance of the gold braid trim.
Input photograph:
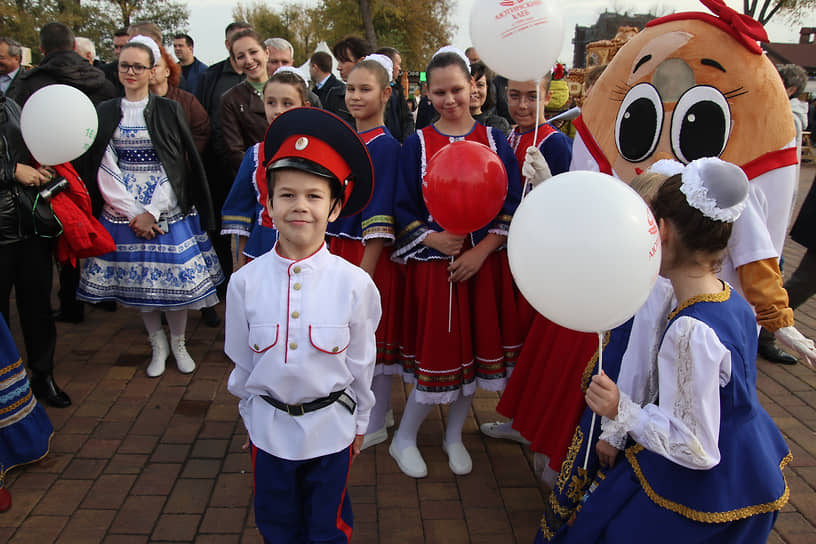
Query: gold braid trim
(413, 225)
(12, 366)
(378, 219)
(722, 296)
(708, 517)
(15, 405)
(569, 460)
(591, 365)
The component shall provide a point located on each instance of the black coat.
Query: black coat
(398, 118)
(67, 68)
(804, 229)
(333, 97)
(174, 145)
(12, 151)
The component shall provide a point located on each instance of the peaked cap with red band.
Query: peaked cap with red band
(742, 27)
(319, 142)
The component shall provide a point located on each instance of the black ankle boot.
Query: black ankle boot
(46, 390)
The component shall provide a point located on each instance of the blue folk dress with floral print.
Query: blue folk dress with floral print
(178, 269)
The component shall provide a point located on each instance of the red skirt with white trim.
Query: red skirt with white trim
(484, 336)
(389, 277)
(544, 396)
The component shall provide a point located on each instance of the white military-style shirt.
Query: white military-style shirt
(298, 331)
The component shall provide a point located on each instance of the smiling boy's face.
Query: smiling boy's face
(300, 205)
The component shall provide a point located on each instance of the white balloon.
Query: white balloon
(584, 250)
(58, 123)
(519, 39)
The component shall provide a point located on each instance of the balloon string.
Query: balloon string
(535, 132)
(589, 442)
(450, 300)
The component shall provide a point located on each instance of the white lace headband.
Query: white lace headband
(291, 70)
(383, 61)
(149, 42)
(455, 51)
(717, 188)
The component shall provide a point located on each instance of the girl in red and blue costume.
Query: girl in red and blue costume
(366, 239)
(484, 335)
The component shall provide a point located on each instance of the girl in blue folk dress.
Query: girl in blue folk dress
(684, 478)
(145, 168)
(366, 240)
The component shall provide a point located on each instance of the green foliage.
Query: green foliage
(94, 19)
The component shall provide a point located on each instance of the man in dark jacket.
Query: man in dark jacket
(62, 65)
(212, 83)
(330, 90)
(10, 70)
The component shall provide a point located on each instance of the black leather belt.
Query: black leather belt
(300, 409)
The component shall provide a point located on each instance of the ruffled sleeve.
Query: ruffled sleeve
(684, 425)
(113, 188)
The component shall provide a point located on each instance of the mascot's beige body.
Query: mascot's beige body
(689, 87)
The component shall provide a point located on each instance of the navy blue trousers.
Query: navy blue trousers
(302, 501)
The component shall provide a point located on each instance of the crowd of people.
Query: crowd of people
(298, 198)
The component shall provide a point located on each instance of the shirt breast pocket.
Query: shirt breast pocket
(331, 339)
(263, 337)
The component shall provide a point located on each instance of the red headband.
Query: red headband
(742, 27)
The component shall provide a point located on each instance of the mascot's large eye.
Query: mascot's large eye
(700, 124)
(639, 122)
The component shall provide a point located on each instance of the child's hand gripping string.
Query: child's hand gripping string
(467, 264)
(602, 396)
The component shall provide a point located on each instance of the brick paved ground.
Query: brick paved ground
(138, 460)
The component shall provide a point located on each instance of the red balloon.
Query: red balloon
(464, 186)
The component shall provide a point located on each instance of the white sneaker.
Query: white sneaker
(389, 418)
(185, 363)
(377, 437)
(409, 460)
(459, 459)
(502, 431)
(161, 351)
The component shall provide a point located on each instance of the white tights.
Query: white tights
(176, 320)
(416, 412)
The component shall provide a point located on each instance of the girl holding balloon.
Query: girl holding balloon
(684, 478)
(363, 239)
(448, 348)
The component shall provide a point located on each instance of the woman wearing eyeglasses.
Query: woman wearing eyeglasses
(152, 192)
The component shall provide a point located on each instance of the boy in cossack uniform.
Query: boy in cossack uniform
(300, 326)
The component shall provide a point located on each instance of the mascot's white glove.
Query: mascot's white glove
(535, 167)
(803, 347)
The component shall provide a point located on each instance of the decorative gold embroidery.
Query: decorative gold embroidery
(237, 218)
(413, 225)
(572, 452)
(578, 485)
(378, 219)
(722, 296)
(561, 511)
(12, 366)
(13, 406)
(708, 517)
(591, 365)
